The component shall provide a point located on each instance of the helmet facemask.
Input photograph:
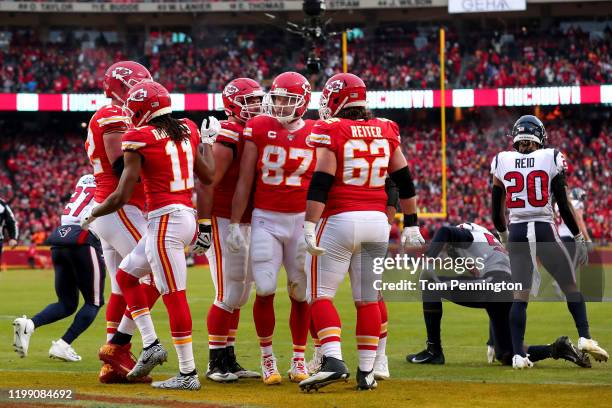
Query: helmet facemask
(282, 105)
(250, 104)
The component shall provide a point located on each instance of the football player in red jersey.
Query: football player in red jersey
(345, 218)
(230, 272)
(120, 231)
(279, 163)
(165, 152)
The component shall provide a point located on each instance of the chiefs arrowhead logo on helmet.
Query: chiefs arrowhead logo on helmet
(230, 90)
(121, 73)
(334, 86)
(138, 95)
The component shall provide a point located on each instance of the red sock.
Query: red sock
(233, 328)
(368, 332)
(263, 315)
(217, 322)
(114, 310)
(382, 342)
(132, 291)
(313, 333)
(180, 328)
(151, 293)
(328, 326)
(299, 322)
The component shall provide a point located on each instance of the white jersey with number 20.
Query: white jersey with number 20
(527, 179)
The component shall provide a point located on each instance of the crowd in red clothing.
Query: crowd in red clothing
(388, 57)
(40, 171)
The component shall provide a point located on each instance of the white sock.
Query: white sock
(126, 326)
(366, 360)
(332, 349)
(142, 318)
(184, 351)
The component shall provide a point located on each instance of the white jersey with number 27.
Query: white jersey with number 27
(81, 199)
(527, 179)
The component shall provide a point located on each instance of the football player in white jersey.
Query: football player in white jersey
(527, 179)
(79, 267)
(472, 241)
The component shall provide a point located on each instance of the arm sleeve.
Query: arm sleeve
(458, 237)
(558, 189)
(392, 193)
(496, 206)
(11, 223)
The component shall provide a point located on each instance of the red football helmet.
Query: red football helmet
(121, 76)
(146, 101)
(341, 91)
(242, 98)
(288, 98)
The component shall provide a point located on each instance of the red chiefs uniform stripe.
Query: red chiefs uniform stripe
(218, 259)
(128, 224)
(313, 265)
(163, 255)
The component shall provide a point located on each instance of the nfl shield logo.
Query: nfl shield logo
(290, 137)
(272, 134)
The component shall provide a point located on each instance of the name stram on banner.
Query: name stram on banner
(485, 6)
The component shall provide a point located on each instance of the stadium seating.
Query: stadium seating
(389, 57)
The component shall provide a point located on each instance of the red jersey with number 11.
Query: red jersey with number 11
(285, 163)
(363, 149)
(167, 167)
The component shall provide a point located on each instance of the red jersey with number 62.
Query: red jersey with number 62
(109, 118)
(167, 167)
(285, 164)
(363, 149)
(231, 136)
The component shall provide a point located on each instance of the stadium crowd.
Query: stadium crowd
(53, 164)
(388, 57)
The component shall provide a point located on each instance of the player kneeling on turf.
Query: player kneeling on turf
(346, 210)
(79, 267)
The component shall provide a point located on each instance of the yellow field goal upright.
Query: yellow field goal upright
(443, 213)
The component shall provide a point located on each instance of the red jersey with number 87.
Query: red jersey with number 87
(363, 149)
(285, 163)
(109, 118)
(167, 166)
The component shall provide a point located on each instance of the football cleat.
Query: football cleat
(491, 354)
(271, 376)
(108, 375)
(366, 380)
(149, 358)
(120, 357)
(381, 368)
(63, 351)
(217, 368)
(298, 372)
(332, 370)
(431, 355)
(519, 362)
(237, 369)
(179, 382)
(315, 364)
(592, 347)
(563, 348)
(23, 329)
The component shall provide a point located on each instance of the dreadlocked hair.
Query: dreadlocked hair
(355, 113)
(174, 128)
